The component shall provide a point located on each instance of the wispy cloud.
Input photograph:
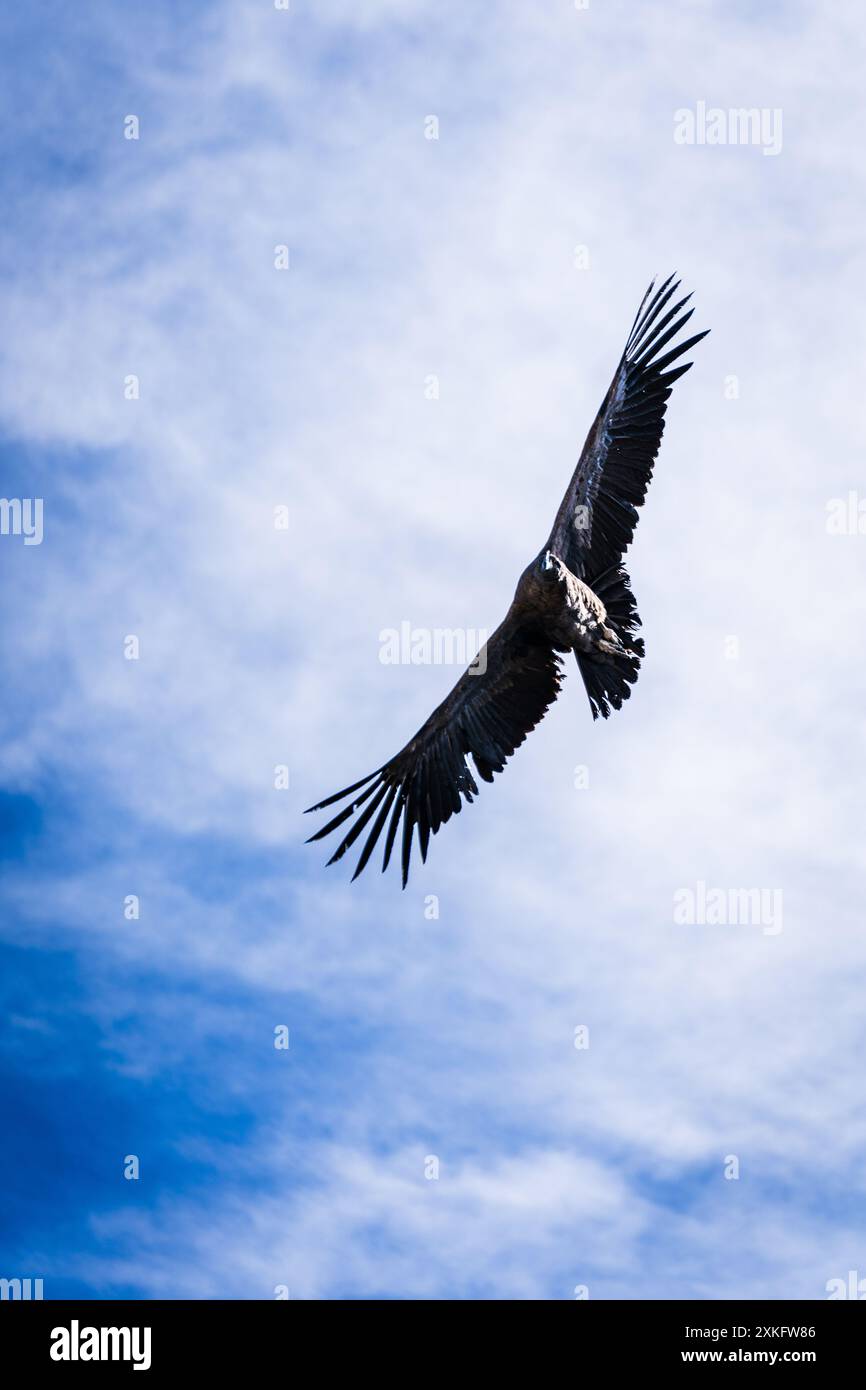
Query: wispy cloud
(737, 762)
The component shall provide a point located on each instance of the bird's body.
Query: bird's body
(571, 616)
(574, 596)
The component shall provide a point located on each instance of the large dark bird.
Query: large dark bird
(574, 596)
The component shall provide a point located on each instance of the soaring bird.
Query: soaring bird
(575, 596)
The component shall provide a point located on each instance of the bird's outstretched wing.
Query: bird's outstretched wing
(595, 523)
(494, 705)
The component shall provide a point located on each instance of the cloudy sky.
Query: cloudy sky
(527, 1075)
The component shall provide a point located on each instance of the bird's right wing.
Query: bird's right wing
(494, 705)
(596, 520)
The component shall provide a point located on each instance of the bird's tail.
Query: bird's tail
(609, 674)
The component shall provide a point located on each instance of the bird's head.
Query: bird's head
(550, 567)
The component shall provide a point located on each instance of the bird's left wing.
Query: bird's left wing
(494, 705)
(596, 520)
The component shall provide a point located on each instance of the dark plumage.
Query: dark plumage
(574, 596)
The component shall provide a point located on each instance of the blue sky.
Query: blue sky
(738, 762)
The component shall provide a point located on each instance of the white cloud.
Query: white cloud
(306, 388)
